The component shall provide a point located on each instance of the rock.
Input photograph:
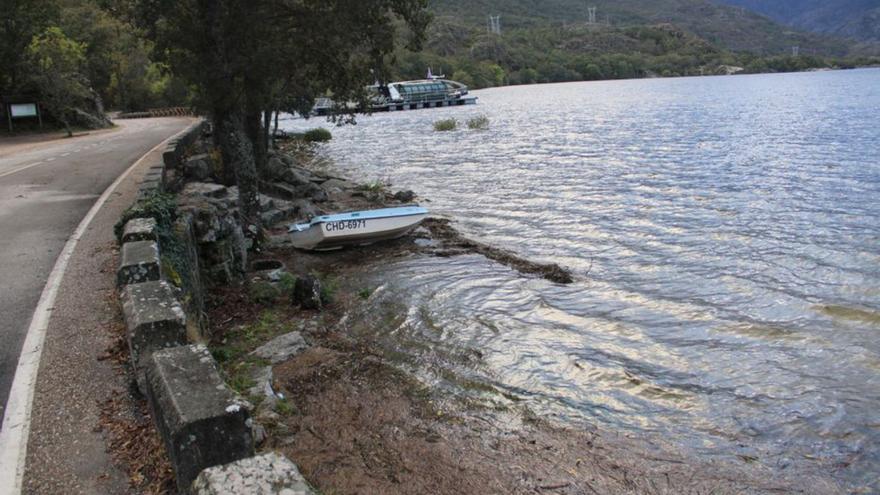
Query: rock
(154, 320)
(305, 209)
(206, 189)
(296, 176)
(312, 191)
(139, 263)
(260, 434)
(334, 185)
(140, 229)
(262, 378)
(307, 292)
(201, 421)
(271, 217)
(275, 168)
(404, 196)
(198, 167)
(281, 348)
(266, 474)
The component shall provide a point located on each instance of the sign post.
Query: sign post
(23, 110)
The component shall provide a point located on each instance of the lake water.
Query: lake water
(725, 236)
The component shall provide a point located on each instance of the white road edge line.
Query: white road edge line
(19, 169)
(16, 420)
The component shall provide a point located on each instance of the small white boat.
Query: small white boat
(356, 228)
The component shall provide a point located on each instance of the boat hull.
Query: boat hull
(358, 232)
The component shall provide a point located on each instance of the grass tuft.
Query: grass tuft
(479, 123)
(445, 125)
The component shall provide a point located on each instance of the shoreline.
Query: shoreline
(355, 418)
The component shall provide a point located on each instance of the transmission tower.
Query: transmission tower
(495, 24)
(795, 51)
(591, 15)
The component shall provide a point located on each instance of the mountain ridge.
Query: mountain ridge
(855, 19)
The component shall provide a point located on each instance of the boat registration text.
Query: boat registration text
(345, 225)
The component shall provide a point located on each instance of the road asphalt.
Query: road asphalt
(45, 190)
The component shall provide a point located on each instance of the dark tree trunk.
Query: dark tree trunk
(267, 138)
(236, 147)
(254, 126)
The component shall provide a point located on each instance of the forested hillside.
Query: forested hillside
(857, 19)
(554, 40)
(80, 56)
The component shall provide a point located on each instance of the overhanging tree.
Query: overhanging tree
(56, 70)
(250, 57)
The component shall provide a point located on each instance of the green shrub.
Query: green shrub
(161, 206)
(286, 283)
(318, 135)
(445, 125)
(480, 123)
(263, 292)
(365, 293)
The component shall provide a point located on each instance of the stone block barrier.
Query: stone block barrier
(267, 474)
(202, 421)
(205, 426)
(154, 320)
(140, 263)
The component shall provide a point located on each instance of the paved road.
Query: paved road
(45, 190)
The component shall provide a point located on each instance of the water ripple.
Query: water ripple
(726, 231)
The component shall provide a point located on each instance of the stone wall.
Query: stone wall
(206, 427)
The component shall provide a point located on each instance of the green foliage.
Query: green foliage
(329, 286)
(548, 42)
(286, 283)
(480, 122)
(263, 292)
(445, 125)
(56, 64)
(158, 205)
(22, 20)
(318, 135)
(365, 293)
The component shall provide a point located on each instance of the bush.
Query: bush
(319, 135)
(445, 125)
(480, 122)
(263, 292)
(161, 206)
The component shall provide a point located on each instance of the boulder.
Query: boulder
(201, 421)
(404, 196)
(281, 348)
(275, 168)
(312, 191)
(206, 189)
(266, 474)
(198, 167)
(296, 176)
(307, 292)
(305, 209)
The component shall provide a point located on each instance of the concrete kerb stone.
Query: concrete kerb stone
(154, 320)
(203, 423)
(266, 474)
(140, 263)
(140, 229)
